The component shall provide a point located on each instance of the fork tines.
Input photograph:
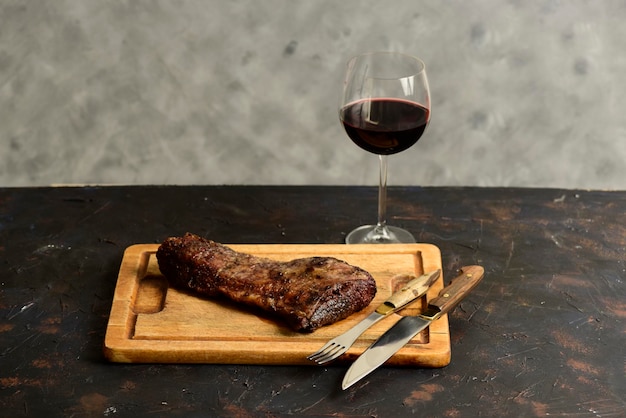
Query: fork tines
(328, 353)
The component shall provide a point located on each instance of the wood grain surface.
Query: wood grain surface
(542, 334)
(151, 322)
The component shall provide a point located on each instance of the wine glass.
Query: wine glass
(385, 108)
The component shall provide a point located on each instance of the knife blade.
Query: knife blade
(409, 326)
(397, 301)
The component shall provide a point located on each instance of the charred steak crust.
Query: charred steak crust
(306, 292)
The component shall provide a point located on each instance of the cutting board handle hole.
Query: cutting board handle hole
(150, 297)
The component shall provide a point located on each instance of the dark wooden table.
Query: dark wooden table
(542, 335)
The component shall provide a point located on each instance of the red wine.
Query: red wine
(384, 126)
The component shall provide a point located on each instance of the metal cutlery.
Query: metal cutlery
(409, 326)
(400, 299)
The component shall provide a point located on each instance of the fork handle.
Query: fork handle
(409, 292)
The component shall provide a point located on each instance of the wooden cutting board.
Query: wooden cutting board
(151, 322)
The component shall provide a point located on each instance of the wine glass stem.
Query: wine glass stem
(382, 195)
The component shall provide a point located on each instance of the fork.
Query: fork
(409, 292)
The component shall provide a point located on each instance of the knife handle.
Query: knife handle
(408, 293)
(452, 294)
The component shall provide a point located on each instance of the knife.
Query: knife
(400, 299)
(409, 326)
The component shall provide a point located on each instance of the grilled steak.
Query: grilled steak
(307, 292)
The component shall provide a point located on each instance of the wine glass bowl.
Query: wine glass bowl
(385, 109)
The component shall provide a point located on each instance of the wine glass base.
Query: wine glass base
(373, 234)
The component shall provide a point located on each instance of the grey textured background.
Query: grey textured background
(525, 93)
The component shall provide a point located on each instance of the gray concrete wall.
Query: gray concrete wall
(525, 93)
